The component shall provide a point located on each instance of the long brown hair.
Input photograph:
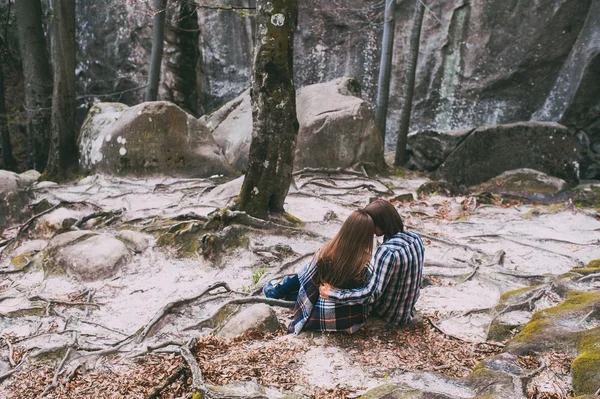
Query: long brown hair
(386, 217)
(342, 259)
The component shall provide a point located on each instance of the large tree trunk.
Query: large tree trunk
(7, 158)
(385, 67)
(158, 35)
(38, 79)
(273, 96)
(62, 159)
(409, 85)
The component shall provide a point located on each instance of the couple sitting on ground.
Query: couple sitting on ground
(342, 285)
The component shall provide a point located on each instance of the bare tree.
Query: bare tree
(385, 67)
(273, 96)
(62, 158)
(38, 79)
(7, 157)
(409, 85)
(158, 34)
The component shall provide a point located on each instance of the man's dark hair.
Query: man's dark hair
(386, 217)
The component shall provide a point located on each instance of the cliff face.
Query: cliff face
(481, 62)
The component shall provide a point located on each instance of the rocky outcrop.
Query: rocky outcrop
(147, 139)
(337, 128)
(525, 184)
(492, 150)
(13, 199)
(429, 148)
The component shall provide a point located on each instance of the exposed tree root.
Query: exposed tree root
(197, 379)
(106, 214)
(240, 301)
(54, 384)
(156, 393)
(168, 307)
(337, 171)
(14, 369)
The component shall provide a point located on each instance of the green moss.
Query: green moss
(509, 294)
(392, 391)
(293, 219)
(187, 245)
(576, 303)
(585, 371)
(22, 261)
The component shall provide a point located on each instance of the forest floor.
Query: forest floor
(118, 337)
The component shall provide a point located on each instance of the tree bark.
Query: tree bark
(38, 79)
(409, 85)
(385, 67)
(158, 35)
(273, 97)
(62, 159)
(8, 162)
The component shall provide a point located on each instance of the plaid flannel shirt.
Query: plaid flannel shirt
(395, 282)
(315, 313)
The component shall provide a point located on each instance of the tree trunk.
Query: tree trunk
(273, 96)
(7, 158)
(385, 67)
(409, 85)
(182, 40)
(38, 79)
(158, 34)
(62, 159)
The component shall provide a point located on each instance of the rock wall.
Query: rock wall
(480, 63)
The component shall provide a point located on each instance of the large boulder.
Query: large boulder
(86, 256)
(231, 126)
(429, 148)
(337, 128)
(525, 184)
(147, 139)
(492, 150)
(13, 199)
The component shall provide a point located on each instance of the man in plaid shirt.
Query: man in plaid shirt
(397, 267)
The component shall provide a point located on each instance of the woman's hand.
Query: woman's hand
(324, 289)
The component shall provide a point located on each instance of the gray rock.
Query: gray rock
(30, 246)
(527, 184)
(136, 241)
(255, 317)
(231, 126)
(13, 199)
(337, 128)
(147, 139)
(488, 151)
(71, 237)
(94, 258)
(429, 148)
(30, 176)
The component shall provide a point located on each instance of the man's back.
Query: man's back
(396, 304)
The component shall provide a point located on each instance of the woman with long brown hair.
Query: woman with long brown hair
(341, 263)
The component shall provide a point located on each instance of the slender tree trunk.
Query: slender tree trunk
(248, 25)
(38, 79)
(409, 85)
(385, 67)
(62, 159)
(273, 96)
(8, 162)
(158, 34)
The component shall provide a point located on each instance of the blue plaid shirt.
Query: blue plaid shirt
(394, 285)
